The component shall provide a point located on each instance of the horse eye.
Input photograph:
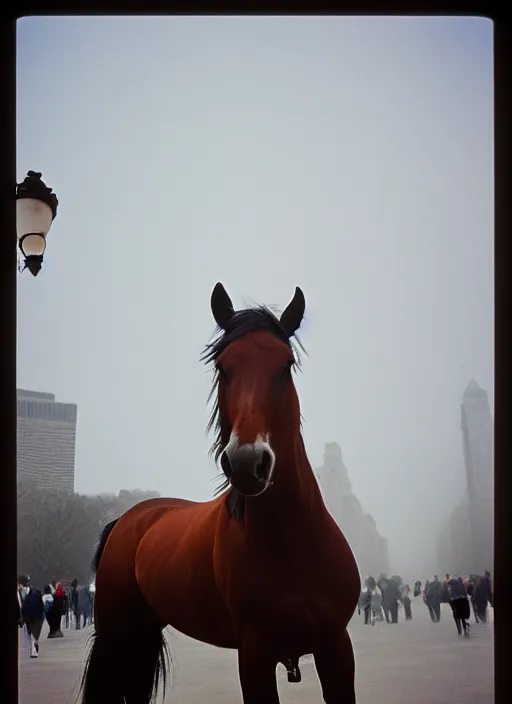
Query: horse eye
(289, 365)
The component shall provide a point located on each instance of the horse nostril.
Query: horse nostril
(226, 465)
(264, 466)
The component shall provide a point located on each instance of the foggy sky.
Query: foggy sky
(349, 156)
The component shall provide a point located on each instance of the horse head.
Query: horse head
(257, 404)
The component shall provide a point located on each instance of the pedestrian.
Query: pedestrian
(32, 613)
(459, 604)
(21, 622)
(436, 589)
(56, 612)
(406, 601)
(383, 585)
(84, 605)
(65, 607)
(483, 596)
(429, 599)
(376, 605)
(92, 591)
(470, 590)
(48, 603)
(390, 599)
(73, 599)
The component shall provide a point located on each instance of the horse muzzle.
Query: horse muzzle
(248, 467)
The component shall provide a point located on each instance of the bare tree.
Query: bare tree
(58, 531)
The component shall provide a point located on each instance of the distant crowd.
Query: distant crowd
(382, 599)
(60, 605)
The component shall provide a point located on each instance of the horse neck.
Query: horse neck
(294, 496)
(293, 473)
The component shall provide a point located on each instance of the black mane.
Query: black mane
(107, 530)
(242, 323)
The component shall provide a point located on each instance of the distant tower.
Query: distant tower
(334, 466)
(369, 547)
(477, 432)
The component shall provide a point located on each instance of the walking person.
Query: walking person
(73, 599)
(383, 585)
(92, 592)
(376, 605)
(66, 607)
(32, 613)
(21, 623)
(47, 603)
(459, 604)
(436, 588)
(56, 611)
(483, 596)
(406, 601)
(428, 598)
(84, 605)
(470, 590)
(390, 599)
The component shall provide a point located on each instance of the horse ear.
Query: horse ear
(292, 315)
(222, 307)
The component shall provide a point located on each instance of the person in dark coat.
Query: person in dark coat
(382, 584)
(390, 599)
(459, 604)
(470, 591)
(365, 603)
(48, 603)
(84, 604)
(73, 602)
(482, 596)
(65, 607)
(436, 589)
(32, 612)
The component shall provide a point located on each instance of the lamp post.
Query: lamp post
(36, 208)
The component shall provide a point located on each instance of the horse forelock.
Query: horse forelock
(242, 323)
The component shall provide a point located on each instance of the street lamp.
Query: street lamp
(36, 208)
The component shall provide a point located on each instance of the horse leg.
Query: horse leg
(257, 672)
(335, 666)
(148, 662)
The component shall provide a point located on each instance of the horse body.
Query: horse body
(175, 558)
(262, 569)
(197, 570)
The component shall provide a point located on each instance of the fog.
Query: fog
(349, 156)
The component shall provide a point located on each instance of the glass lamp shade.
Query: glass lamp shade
(33, 221)
(33, 245)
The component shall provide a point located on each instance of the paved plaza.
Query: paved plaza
(418, 662)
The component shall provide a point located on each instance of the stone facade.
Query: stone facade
(454, 547)
(46, 434)
(369, 547)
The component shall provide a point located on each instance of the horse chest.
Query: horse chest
(290, 602)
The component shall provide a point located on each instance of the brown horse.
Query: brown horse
(263, 568)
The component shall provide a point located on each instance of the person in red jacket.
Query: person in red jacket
(56, 612)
